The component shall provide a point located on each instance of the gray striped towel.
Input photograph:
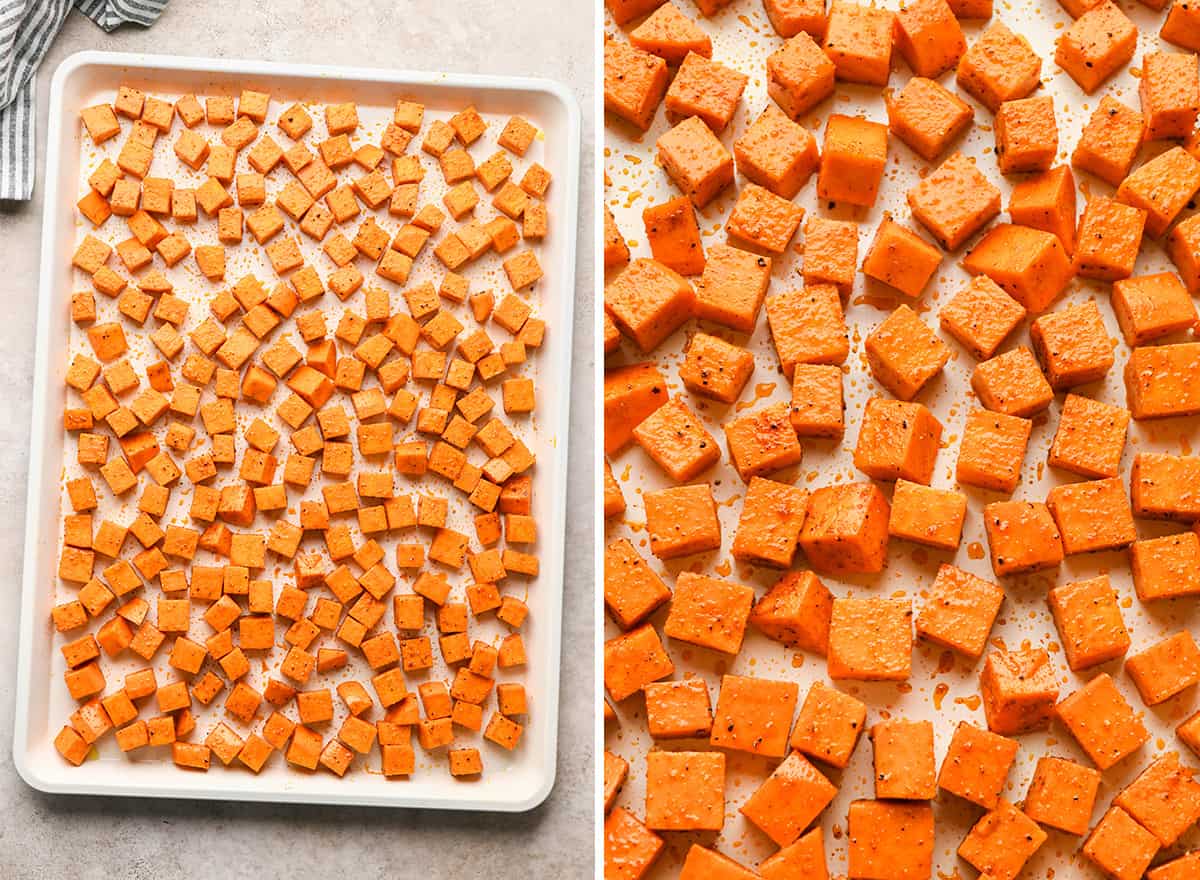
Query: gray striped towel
(26, 29)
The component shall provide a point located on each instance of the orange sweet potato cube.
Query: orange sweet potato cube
(897, 440)
(709, 612)
(732, 287)
(1169, 89)
(1102, 722)
(846, 529)
(707, 89)
(1162, 188)
(628, 842)
(904, 354)
(1165, 668)
(1160, 381)
(901, 259)
(1002, 841)
(1012, 383)
(1019, 690)
(870, 640)
(904, 761)
(890, 839)
(695, 160)
(763, 220)
(829, 725)
(633, 660)
(808, 326)
(769, 523)
(852, 160)
(632, 590)
(1000, 66)
(682, 520)
(685, 791)
(1119, 846)
(670, 35)
(796, 611)
(1030, 264)
(1022, 537)
(981, 316)
(1164, 799)
(799, 75)
(830, 253)
(715, 368)
(763, 441)
(776, 153)
(754, 715)
(1099, 43)
(1089, 622)
(648, 302)
(673, 235)
(631, 393)
(977, 764)
(1109, 142)
(674, 437)
(1166, 567)
(818, 402)
(1149, 307)
(953, 202)
(1162, 486)
(1073, 345)
(858, 40)
(1026, 134)
(789, 799)
(927, 116)
(1062, 794)
(933, 517)
(634, 83)
(959, 611)
(678, 709)
(1093, 515)
(1046, 201)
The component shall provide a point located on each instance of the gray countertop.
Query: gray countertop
(44, 836)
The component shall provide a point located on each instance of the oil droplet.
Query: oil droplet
(975, 550)
(945, 662)
(939, 694)
(724, 568)
(797, 660)
(971, 702)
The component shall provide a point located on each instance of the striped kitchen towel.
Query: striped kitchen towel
(26, 29)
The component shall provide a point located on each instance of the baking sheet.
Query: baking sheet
(511, 781)
(943, 687)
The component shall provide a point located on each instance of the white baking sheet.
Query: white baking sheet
(511, 781)
(943, 687)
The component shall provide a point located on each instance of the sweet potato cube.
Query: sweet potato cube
(897, 441)
(929, 38)
(1047, 201)
(852, 160)
(981, 316)
(830, 253)
(633, 660)
(808, 326)
(1160, 381)
(889, 839)
(1093, 515)
(695, 160)
(634, 83)
(631, 393)
(959, 611)
(858, 40)
(682, 520)
(1119, 846)
(667, 33)
(927, 116)
(1019, 690)
(648, 302)
(715, 368)
(977, 764)
(1012, 383)
(707, 89)
(904, 761)
(901, 259)
(1162, 188)
(1164, 799)
(846, 529)
(1030, 264)
(1062, 794)
(1169, 89)
(629, 843)
(1090, 437)
(1098, 44)
(1026, 134)
(1149, 307)
(678, 442)
(829, 725)
(1108, 240)
(754, 715)
(796, 611)
(1022, 537)
(1163, 486)
(1000, 66)
(732, 287)
(673, 235)
(904, 354)
(769, 523)
(789, 800)
(632, 591)
(870, 640)
(1089, 622)
(954, 202)
(1002, 841)
(678, 709)
(776, 153)
(1102, 722)
(1109, 142)
(763, 220)
(799, 75)
(1166, 668)
(1073, 345)
(709, 612)
(933, 517)
(685, 791)
(762, 441)
(818, 402)
(1166, 567)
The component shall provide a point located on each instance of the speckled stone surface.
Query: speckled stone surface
(48, 837)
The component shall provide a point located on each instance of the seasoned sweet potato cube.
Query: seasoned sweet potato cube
(954, 202)
(673, 235)
(904, 761)
(901, 259)
(1110, 141)
(1002, 841)
(634, 83)
(631, 393)
(1012, 383)
(870, 640)
(769, 523)
(981, 316)
(709, 612)
(904, 354)
(1019, 690)
(808, 326)
(1047, 201)
(1162, 187)
(1062, 794)
(1090, 437)
(670, 35)
(1164, 799)
(818, 403)
(959, 611)
(1169, 89)
(682, 520)
(695, 160)
(629, 843)
(707, 89)
(1073, 345)
(1093, 515)
(1098, 44)
(731, 289)
(846, 529)
(1160, 381)
(754, 715)
(1030, 264)
(715, 368)
(929, 38)
(1166, 567)
(1022, 537)
(927, 116)
(1026, 134)
(1102, 722)
(776, 153)
(1165, 668)
(890, 839)
(796, 611)
(830, 253)
(897, 440)
(1089, 622)
(632, 590)
(648, 302)
(685, 791)
(763, 220)
(678, 442)
(829, 725)
(1163, 486)
(977, 764)
(852, 160)
(1000, 66)
(858, 40)
(1108, 240)
(933, 517)
(760, 442)
(789, 800)
(678, 709)
(1119, 846)
(1149, 307)
(799, 75)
